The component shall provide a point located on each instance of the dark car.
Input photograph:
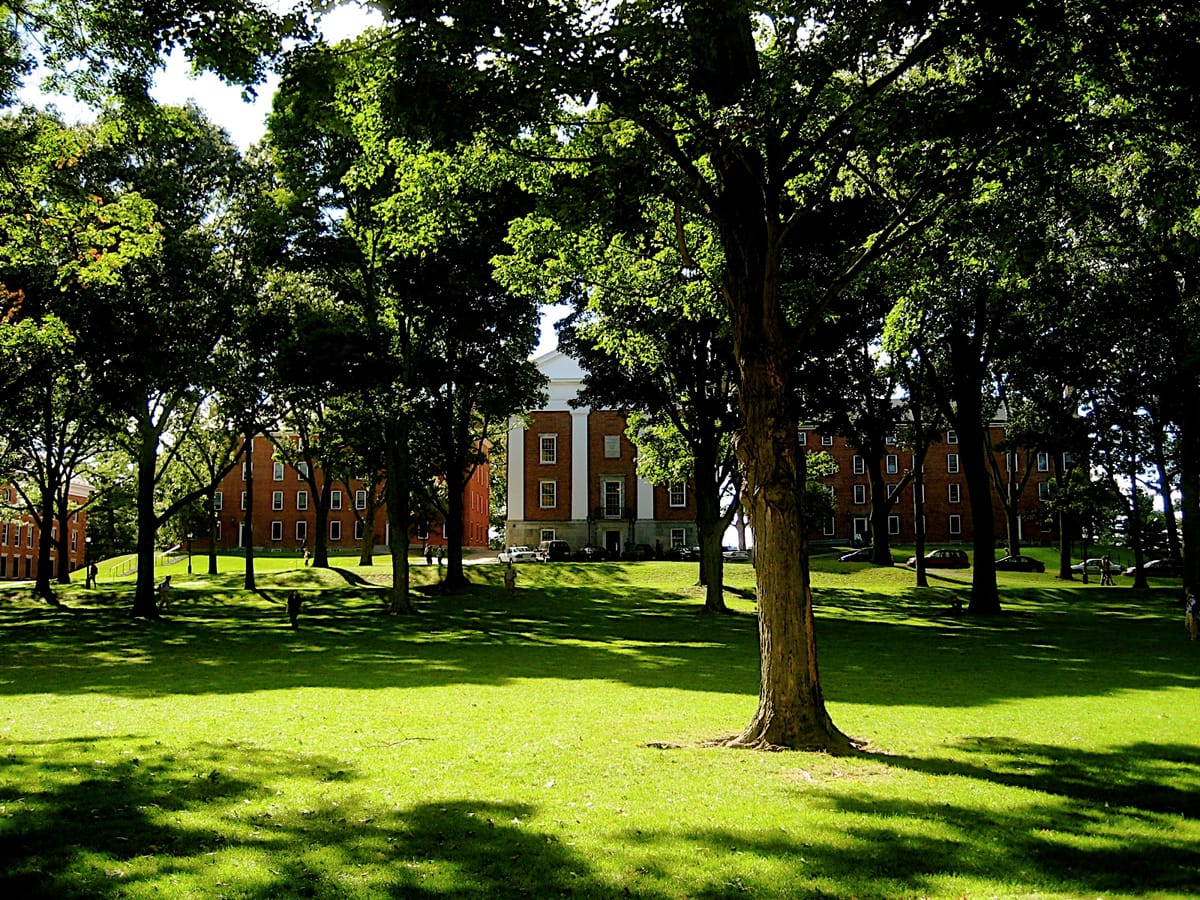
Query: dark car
(942, 559)
(1170, 568)
(1020, 564)
(553, 551)
(640, 552)
(590, 553)
(862, 554)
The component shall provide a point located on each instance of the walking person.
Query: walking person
(1105, 574)
(1191, 612)
(510, 581)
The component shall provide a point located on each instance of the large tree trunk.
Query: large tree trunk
(881, 508)
(1164, 491)
(1189, 484)
(455, 577)
(973, 449)
(144, 601)
(791, 708)
(43, 586)
(709, 531)
(398, 495)
(248, 515)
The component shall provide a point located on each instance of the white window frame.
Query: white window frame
(952, 465)
(678, 537)
(277, 471)
(619, 484)
(243, 500)
(951, 437)
(247, 468)
(547, 491)
(827, 440)
(893, 525)
(277, 530)
(865, 530)
(302, 469)
(360, 499)
(547, 534)
(1043, 461)
(955, 524)
(892, 464)
(1043, 491)
(548, 449)
(301, 500)
(954, 492)
(218, 501)
(804, 439)
(335, 529)
(301, 531)
(677, 494)
(359, 529)
(860, 495)
(830, 526)
(335, 500)
(276, 501)
(858, 465)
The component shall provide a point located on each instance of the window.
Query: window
(827, 440)
(277, 530)
(547, 534)
(74, 540)
(1067, 460)
(859, 465)
(246, 470)
(951, 437)
(804, 439)
(860, 494)
(217, 529)
(893, 464)
(335, 530)
(243, 499)
(952, 463)
(218, 501)
(677, 494)
(678, 537)
(1012, 462)
(1043, 462)
(893, 524)
(360, 499)
(359, 530)
(276, 500)
(301, 499)
(956, 524)
(954, 493)
(28, 536)
(890, 440)
(4, 534)
(547, 494)
(861, 528)
(549, 449)
(891, 490)
(613, 492)
(335, 499)
(301, 532)
(1043, 490)
(277, 472)
(302, 469)
(612, 446)
(830, 525)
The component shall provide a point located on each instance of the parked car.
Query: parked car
(517, 554)
(682, 553)
(1170, 568)
(1092, 567)
(590, 553)
(553, 551)
(942, 559)
(1020, 564)
(862, 554)
(732, 553)
(640, 551)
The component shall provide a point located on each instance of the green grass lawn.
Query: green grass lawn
(483, 749)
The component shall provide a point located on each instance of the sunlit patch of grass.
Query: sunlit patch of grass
(555, 745)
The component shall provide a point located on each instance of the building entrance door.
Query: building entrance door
(612, 544)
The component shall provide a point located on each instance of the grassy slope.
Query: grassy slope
(477, 750)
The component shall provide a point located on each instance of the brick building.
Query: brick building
(284, 513)
(572, 476)
(20, 536)
(946, 504)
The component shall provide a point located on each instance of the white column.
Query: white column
(516, 471)
(645, 499)
(579, 463)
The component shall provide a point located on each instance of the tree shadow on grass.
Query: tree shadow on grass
(195, 821)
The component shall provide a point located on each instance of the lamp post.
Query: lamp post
(189, 551)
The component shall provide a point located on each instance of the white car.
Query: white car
(736, 555)
(517, 554)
